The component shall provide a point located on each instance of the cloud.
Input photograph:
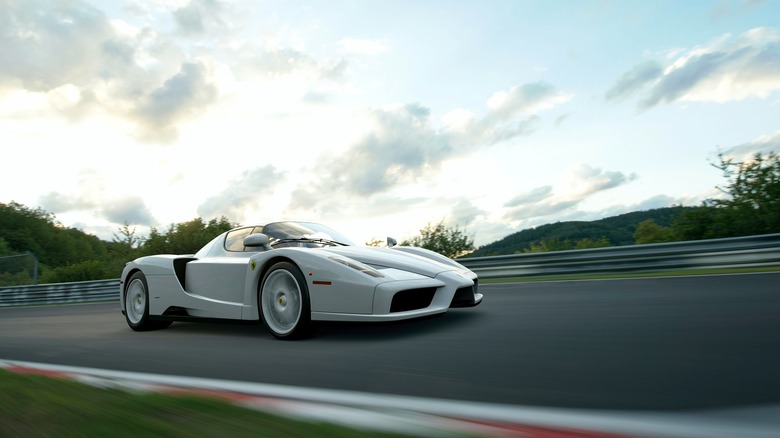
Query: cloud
(587, 180)
(464, 212)
(763, 144)
(510, 114)
(581, 183)
(541, 210)
(195, 15)
(635, 79)
(181, 96)
(130, 209)
(106, 65)
(399, 148)
(530, 98)
(44, 45)
(726, 70)
(59, 203)
(403, 145)
(242, 194)
(531, 197)
(134, 70)
(658, 201)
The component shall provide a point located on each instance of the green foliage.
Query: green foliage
(23, 229)
(374, 242)
(650, 232)
(86, 270)
(601, 242)
(754, 190)
(616, 230)
(35, 406)
(547, 245)
(5, 248)
(68, 254)
(752, 205)
(449, 242)
(16, 269)
(185, 237)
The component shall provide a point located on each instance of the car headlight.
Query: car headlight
(368, 270)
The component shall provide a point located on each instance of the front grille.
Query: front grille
(412, 299)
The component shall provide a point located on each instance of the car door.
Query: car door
(218, 282)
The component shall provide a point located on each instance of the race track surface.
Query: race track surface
(649, 344)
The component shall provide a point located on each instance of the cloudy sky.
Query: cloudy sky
(378, 117)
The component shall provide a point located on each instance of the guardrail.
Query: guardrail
(762, 250)
(60, 293)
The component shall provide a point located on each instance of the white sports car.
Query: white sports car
(288, 274)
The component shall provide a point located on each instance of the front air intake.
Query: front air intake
(464, 297)
(412, 299)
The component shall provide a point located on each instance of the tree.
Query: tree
(751, 206)
(650, 232)
(753, 189)
(549, 245)
(375, 242)
(601, 242)
(126, 236)
(546, 245)
(449, 242)
(185, 237)
(36, 231)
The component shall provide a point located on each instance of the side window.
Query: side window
(235, 239)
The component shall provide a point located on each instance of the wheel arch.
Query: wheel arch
(125, 284)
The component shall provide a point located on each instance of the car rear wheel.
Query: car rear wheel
(136, 305)
(284, 302)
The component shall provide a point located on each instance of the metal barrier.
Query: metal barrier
(762, 250)
(60, 293)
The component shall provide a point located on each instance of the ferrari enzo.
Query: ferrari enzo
(288, 274)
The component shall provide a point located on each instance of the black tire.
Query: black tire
(283, 302)
(136, 305)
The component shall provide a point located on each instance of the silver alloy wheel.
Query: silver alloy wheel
(135, 301)
(281, 301)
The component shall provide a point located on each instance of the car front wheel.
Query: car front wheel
(284, 302)
(137, 305)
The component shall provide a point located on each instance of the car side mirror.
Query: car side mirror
(257, 240)
(391, 242)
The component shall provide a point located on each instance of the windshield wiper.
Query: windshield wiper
(308, 240)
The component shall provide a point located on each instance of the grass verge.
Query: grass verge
(40, 406)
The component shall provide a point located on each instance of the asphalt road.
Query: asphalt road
(650, 344)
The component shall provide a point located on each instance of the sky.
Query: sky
(379, 117)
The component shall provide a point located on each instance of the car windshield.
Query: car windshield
(306, 232)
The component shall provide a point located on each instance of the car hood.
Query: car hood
(389, 258)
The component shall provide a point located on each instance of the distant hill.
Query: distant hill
(618, 230)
